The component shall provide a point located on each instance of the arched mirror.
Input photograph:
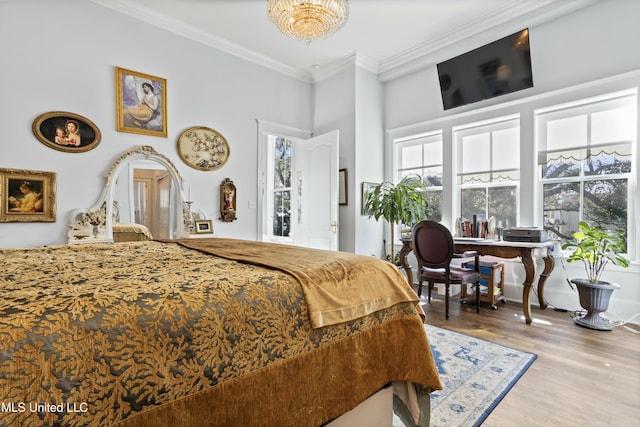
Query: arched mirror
(143, 194)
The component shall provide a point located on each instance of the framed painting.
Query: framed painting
(204, 226)
(65, 131)
(27, 196)
(203, 148)
(141, 103)
(366, 188)
(342, 187)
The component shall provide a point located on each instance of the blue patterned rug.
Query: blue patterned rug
(475, 376)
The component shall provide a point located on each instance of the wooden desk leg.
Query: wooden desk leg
(406, 249)
(530, 271)
(549, 263)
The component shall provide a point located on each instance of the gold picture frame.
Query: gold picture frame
(64, 131)
(203, 148)
(228, 198)
(27, 196)
(141, 103)
(204, 226)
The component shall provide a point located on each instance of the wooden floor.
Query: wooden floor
(581, 377)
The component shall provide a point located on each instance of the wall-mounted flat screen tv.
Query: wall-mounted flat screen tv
(498, 68)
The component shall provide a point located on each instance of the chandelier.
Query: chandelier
(308, 19)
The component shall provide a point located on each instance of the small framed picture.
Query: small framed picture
(342, 187)
(366, 188)
(65, 131)
(27, 196)
(204, 226)
(141, 103)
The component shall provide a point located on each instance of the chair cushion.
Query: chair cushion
(458, 275)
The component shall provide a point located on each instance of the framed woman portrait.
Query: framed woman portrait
(65, 131)
(27, 196)
(141, 103)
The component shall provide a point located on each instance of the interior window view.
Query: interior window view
(280, 184)
(586, 158)
(319, 213)
(489, 170)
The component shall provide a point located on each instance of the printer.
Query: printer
(524, 234)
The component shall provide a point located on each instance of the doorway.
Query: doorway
(152, 200)
(298, 177)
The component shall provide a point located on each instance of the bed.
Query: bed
(192, 332)
(130, 232)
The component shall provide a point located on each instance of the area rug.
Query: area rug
(475, 376)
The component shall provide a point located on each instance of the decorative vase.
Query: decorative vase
(96, 230)
(594, 297)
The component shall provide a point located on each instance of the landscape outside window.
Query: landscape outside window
(422, 155)
(489, 169)
(585, 160)
(281, 169)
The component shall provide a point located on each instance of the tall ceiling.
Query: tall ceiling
(380, 35)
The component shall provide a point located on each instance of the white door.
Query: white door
(316, 192)
(298, 179)
(163, 200)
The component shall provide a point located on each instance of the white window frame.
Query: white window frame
(421, 139)
(265, 130)
(590, 106)
(270, 192)
(480, 127)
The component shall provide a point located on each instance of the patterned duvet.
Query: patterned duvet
(150, 333)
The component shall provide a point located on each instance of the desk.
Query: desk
(501, 249)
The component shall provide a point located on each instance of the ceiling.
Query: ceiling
(383, 36)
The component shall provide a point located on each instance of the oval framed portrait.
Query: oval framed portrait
(66, 131)
(203, 148)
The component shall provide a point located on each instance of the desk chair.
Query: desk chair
(434, 249)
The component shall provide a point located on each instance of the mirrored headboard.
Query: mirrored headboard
(115, 203)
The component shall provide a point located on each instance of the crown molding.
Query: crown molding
(457, 41)
(354, 58)
(477, 33)
(455, 35)
(180, 28)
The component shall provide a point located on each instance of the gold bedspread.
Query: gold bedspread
(150, 333)
(338, 286)
(130, 232)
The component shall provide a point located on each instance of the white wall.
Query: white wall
(352, 101)
(592, 51)
(60, 56)
(369, 159)
(335, 108)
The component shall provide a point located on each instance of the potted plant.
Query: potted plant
(596, 248)
(402, 203)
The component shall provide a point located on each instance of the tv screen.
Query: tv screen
(498, 68)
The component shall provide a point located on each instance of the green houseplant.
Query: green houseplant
(402, 203)
(595, 248)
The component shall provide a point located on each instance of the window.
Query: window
(280, 156)
(585, 160)
(422, 155)
(488, 169)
